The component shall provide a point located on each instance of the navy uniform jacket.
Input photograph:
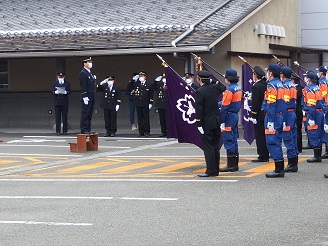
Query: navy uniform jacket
(160, 93)
(129, 89)
(143, 95)
(87, 84)
(61, 99)
(258, 90)
(194, 86)
(110, 98)
(207, 110)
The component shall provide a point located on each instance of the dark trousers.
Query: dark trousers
(162, 119)
(210, 141)
(261, 147)
(86, 116)
(61, 116)
(299, 124)
(132, 109)
(110, 116)
(143, 120)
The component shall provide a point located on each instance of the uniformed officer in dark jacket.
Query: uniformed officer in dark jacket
(110, 102)
(189, 78)
(88, 89)
(208, 121)
(143, 99)
(132, 107)
(61, 88)
(258, 91)
(299, 114)
(160, 102)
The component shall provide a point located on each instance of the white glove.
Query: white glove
(56, 92)
(117, 107)
(150, 106)
(201, 130)
(311, 122)
(136, 77)
(104, 81)
(270, 126)
(254, 121)
(222, 126)
(303, 113)
(86, 100)
(94, 76)
(284, 126)
(158, 78)
(325, 127)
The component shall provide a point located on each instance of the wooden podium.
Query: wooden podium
(85, 142)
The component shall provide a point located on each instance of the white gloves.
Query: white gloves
(270, 126)
(303, 113)
(201, 130)
(104, 81)
(136, 77)
(284, 126)
(158, 78)
(117, 107)
(94, 76)
(150, 106)
(254, 121)
(222, 126)
(325, 127)
(56, 92)
(86, 100)
(311, 122)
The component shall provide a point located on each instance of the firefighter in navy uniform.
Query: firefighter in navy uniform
(314, 115)
(143, 98)
(88, 89)
(274, 107)
(110, 102)
(258, 91)
(189, 78)
(208, 121)
(61, 88)
(160, 102)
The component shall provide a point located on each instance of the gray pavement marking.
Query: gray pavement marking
(85, 158)
(120, 180)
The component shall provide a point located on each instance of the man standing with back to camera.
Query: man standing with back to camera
(88, 89)
(208, 120)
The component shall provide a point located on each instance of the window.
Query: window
(3, 74)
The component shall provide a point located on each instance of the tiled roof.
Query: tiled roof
(39, 25)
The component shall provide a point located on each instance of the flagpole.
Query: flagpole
(208, 64)
(279, 61)
(301, 67)
(244, 60)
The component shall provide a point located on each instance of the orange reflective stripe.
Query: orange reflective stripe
(287, 129)
(236, 97)
(227, 96)
(310, 99)
(280, 94)
(270, 133)
(293, 93)
(227, 129)
(318, 95)
(315, 127)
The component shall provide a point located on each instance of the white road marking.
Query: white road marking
(44, 223)
(35, 140)
(47, 155)
(149, 199)
(58, 146)
(120, 180)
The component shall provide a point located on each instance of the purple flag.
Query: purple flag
(181, 115)
(301, 72)
(246, 114)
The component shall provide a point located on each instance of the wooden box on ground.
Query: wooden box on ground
(85, 142)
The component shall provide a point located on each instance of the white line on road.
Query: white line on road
(47, 155)
(58, 146)
(121, 180)
(91, 198)
(44, 223)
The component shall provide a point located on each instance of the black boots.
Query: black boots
(292, 165)
(232, 163)
(279, 170)
(325, 155)
(317, 155)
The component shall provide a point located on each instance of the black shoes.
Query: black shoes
(326, 175)
(107, 134)
(205, 175)
(146, 134)
(141, 135)
(229, 169)
(325, 155)
(317, 156)
(260, 160)
(112, 134)
(162, 135)
(275, 175)
(291, 169)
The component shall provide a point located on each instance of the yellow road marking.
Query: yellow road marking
(131, 167)
(176, 167)
(7, 162)
(261, 169)
(88, 167)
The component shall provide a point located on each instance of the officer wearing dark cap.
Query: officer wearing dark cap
(61, 88)
(161, 102)
(289, 134)
(208, 121)
(273, 107)
(88, 89)
(143, 98)
(110, 102)
(313, 104)
(258, 91)
(189, 78)
(323, 85)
